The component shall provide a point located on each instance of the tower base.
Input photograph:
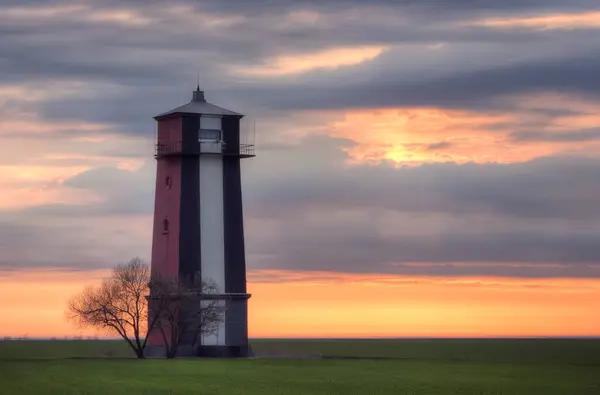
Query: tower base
(184, 351)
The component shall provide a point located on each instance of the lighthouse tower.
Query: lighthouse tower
(198, 216)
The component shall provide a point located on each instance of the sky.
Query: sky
(423, 168)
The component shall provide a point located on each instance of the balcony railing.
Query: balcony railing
(177, 148)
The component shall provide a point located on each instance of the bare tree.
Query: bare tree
(118, 304)
(185, 309)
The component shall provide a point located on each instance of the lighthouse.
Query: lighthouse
(198, 216)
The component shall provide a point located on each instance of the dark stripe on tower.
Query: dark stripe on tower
(236, 318)
(233, 222)
(189, 239)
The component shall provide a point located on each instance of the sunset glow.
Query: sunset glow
(421, 169)
(412, 136)
(346, 305)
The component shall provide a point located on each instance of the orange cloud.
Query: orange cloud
(38, 155)
(120, 17)
(125, 17)
(31, 92)
(583, 20)
(412, 136)
(26, 186)
(40, 179)
(303, 17)
(40, 127)
(300, 63)
(309, 304)
(19, 197)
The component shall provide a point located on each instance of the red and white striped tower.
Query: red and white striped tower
(198, 215)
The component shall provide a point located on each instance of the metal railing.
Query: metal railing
(177, 148)
(171, 148)
(247, 150)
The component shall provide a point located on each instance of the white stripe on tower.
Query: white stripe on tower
(212, 248)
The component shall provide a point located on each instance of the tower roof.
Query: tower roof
(199, 105)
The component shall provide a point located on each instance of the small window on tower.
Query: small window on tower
(166, 225)
(168, 182)
(209, 134)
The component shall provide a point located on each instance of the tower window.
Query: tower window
(166, 225)
(209, 134)
(168, 182)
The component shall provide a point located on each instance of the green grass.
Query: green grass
(561, 351)
(34, 349)
(283, 376)
(528, 367)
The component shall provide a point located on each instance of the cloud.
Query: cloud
(572, 136)
(81, 243)
(532, 219)
(376, 218)
(440, 145)
(585, 20)
(80, 82)
(552, 187)
(331, 243)
(413, 136)
(157, 60)
(328, 59)
(119, 192)
(424, 6)
(474, 89)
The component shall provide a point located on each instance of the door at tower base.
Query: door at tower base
(236, 344)
(229, 339)
(217, 336)
(232, 330)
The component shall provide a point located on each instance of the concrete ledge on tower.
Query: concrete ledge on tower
(225, 296)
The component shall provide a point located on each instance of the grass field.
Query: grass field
(441, 367)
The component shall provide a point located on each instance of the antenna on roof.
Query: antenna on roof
(198, 95)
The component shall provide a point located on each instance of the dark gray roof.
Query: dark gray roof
(199, 105)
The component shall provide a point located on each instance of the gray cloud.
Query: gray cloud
(362, 218)
(440, 145)
(430, 8)
(561, 188)
(277, 6)
(152, 65)
(489, 252)
(571, 136)
(371, 218)
(81, 243)
(123, 193)
(475, 89)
